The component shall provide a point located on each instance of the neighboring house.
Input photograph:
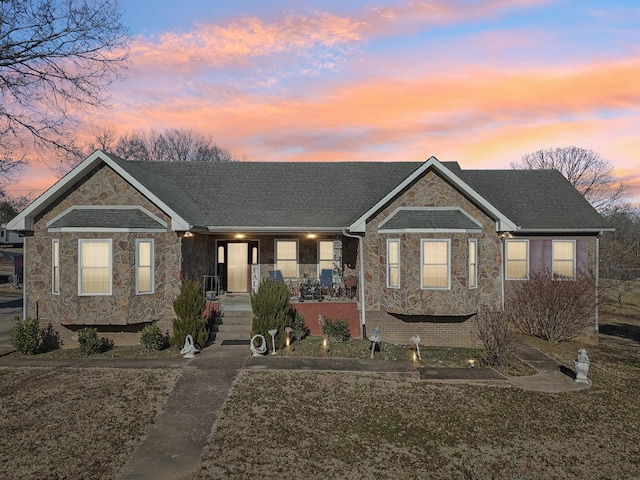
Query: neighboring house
(423, 245)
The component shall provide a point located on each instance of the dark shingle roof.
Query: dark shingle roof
(332, 195)
(449, 219)
(106, 218)
(535, 199)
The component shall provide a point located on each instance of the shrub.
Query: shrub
(271, 309)
(336, 330)
(554, 310)
(50, 339)
(151, 338)
(26, 335)
(299, 326)
(189, 308)
(495, 331)
(90, 343)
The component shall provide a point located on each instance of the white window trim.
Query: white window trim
(389, 241)
(506, 258)
(275, 254)
(553, 259)
(433, 240)
(95, 240)
(473, 244)
(151, 265)
(55, 286)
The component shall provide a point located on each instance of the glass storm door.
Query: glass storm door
(238, 267)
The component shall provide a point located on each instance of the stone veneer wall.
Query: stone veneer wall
(122, 314)
(430, 191)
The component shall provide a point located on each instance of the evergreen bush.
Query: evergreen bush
(151, 338)
(299, 326)
(189, 307)
(91, 343)
(26, 335)
(336, 330)
(271, 309)
(50, 339)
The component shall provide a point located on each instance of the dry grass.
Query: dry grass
(75, 423)
(318, 425)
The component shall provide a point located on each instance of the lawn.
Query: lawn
(84, 423)
(75, 423)
(319, 425)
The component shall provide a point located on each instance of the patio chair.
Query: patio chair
(326, 281)
(276, 275)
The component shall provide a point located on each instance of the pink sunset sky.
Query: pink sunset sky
(480, 82)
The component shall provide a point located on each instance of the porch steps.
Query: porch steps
(234, 325)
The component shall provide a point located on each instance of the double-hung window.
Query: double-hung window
(517, 254)
(144, 266)
(436, 266)
(564, 259)
(94, 267)
(55, 266)
(473, 263)
(287, 258)
(393, 263)
(325, 256)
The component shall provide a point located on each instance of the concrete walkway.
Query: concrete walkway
(173, 445)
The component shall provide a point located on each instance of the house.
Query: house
(418, 246)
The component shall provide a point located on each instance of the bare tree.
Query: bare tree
(57, 57)
(172, 145)
(592, 176)
(620, 257)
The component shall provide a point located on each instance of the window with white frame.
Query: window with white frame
(473, 263)
(325, 256)
(94, 267)
(393, 263)
(436, 266)
(564, 259)
(144, 266)
(517, 259)
(287, 258)
(55, 266)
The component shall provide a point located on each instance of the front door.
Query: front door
(238, 267)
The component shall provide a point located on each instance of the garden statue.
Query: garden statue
(258, 350)
(582, 366)
(189, 350)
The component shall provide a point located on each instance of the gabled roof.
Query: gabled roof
(325, 196)
(429, 219)
(109, 218)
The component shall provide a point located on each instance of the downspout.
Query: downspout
(363, 324)
(502, 269)
(24, 279)
(597, 268)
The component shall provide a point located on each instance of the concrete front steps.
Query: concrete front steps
(234, 325)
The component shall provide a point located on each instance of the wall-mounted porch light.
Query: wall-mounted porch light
(187, 235)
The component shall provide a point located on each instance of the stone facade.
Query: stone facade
(123, 313)
(386, 306)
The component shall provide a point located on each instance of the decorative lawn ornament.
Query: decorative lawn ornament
(273, 333)
(258, 350)
(189, 350)
(375, 339)
(416, 340)
(582, 366)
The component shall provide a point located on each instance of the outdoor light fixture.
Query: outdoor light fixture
(325, 343)
(187, 235)
(239, 235)
(273, 332)
(472, 362)
(414, 357)
(311, 235)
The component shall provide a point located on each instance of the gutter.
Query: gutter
(363, 320)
